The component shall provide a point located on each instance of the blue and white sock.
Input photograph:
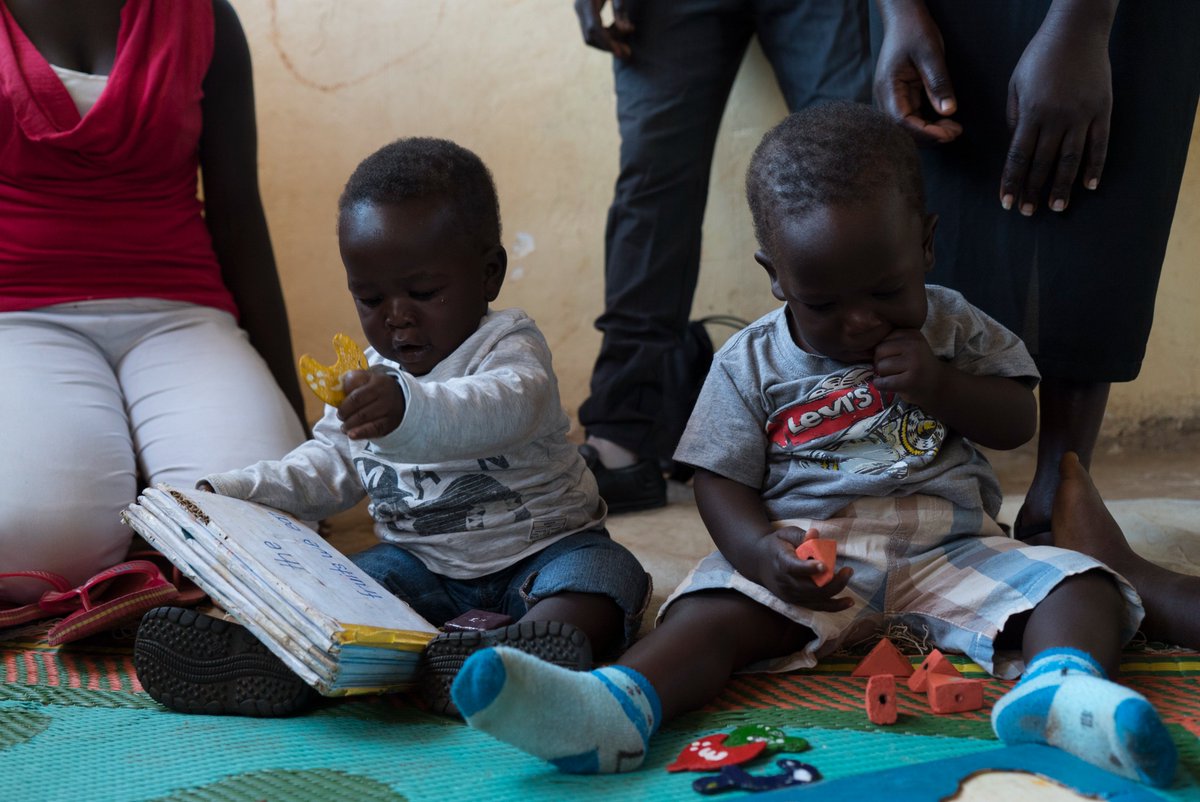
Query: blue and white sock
(584, 722)
(1065, 700)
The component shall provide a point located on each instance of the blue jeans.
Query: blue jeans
(585, 562)
(670, 99)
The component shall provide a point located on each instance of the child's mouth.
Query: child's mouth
(409, 352)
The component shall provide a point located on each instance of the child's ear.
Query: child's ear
(930, 226)
(495, 265)
(761, 257)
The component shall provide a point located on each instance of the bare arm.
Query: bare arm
(233, 207)
(993, 411)
(736, 519)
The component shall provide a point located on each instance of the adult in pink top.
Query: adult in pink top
(143, 335)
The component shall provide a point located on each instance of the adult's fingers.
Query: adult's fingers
(1070, 157)
(1097, 151)
(1046, 150)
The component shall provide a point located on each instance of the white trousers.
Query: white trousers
(95, 395)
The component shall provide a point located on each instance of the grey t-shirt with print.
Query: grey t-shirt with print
(813, 434)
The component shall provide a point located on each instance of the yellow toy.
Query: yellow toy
(326, 380)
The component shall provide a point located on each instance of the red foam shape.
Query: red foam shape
(934, 663)
(711, 752)
(885, 658)
(956, 694)
(881, 699)
(822, 549)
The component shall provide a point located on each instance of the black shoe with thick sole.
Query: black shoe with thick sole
(640, 486)
(553, 641)
(195, 663)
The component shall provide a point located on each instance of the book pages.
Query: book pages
(336, 627)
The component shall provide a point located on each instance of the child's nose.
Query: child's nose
(862, 318)
(400, 314)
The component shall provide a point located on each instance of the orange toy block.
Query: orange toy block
(885, 658)
(955, 694)
(821, 549)
(881, 699)
(934, 663)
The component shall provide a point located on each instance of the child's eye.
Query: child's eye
(825, 307)
(422, 295)
(371, 302)
(884, 295)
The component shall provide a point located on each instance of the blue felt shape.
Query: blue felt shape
(736, 778)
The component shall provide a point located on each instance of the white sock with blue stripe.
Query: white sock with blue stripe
(1065, 700)
(584, 722)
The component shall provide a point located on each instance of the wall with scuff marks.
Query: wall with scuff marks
(513, 81)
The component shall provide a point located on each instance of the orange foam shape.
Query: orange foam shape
(955, 694)
(934, 663)
(881, 699)
(821, 549)
(885, 658)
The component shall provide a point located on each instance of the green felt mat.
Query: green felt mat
(75, 725)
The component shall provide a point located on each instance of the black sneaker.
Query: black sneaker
(195, 663)
(640, 486)
(553, 641)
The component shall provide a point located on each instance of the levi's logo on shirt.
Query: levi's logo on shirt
(826, 414)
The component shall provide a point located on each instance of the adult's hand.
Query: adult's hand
(613, 38)
(912, 84)
(1059, 105)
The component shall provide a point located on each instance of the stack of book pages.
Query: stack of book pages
(338, 629)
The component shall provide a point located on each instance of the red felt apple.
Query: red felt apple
(710, 751)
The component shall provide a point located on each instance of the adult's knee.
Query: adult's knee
(69, 531)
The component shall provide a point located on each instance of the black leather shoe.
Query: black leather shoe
(640, 486)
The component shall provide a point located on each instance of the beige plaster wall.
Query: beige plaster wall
(512, 80)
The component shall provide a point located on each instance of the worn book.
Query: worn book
(337, 628)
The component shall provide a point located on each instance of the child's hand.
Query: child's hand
(905, 364)
(791, 578)
(374, 404)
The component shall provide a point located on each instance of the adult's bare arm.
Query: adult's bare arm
(615, 37)
(912, 84)
(233, 206)
(1059, 106)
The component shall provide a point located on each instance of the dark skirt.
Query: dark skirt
(1079, 285)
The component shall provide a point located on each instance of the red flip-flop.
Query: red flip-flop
(14, 616)
(190, 594)
(112, 597)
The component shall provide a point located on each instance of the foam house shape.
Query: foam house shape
(934, 663)
(881, 699)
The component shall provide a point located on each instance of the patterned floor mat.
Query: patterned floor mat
(75, 724)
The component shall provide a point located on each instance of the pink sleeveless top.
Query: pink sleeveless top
(106, 206)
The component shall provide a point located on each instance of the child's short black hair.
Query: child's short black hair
(832, 153)
(425, 167)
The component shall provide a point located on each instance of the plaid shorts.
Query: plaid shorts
(948, 574)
